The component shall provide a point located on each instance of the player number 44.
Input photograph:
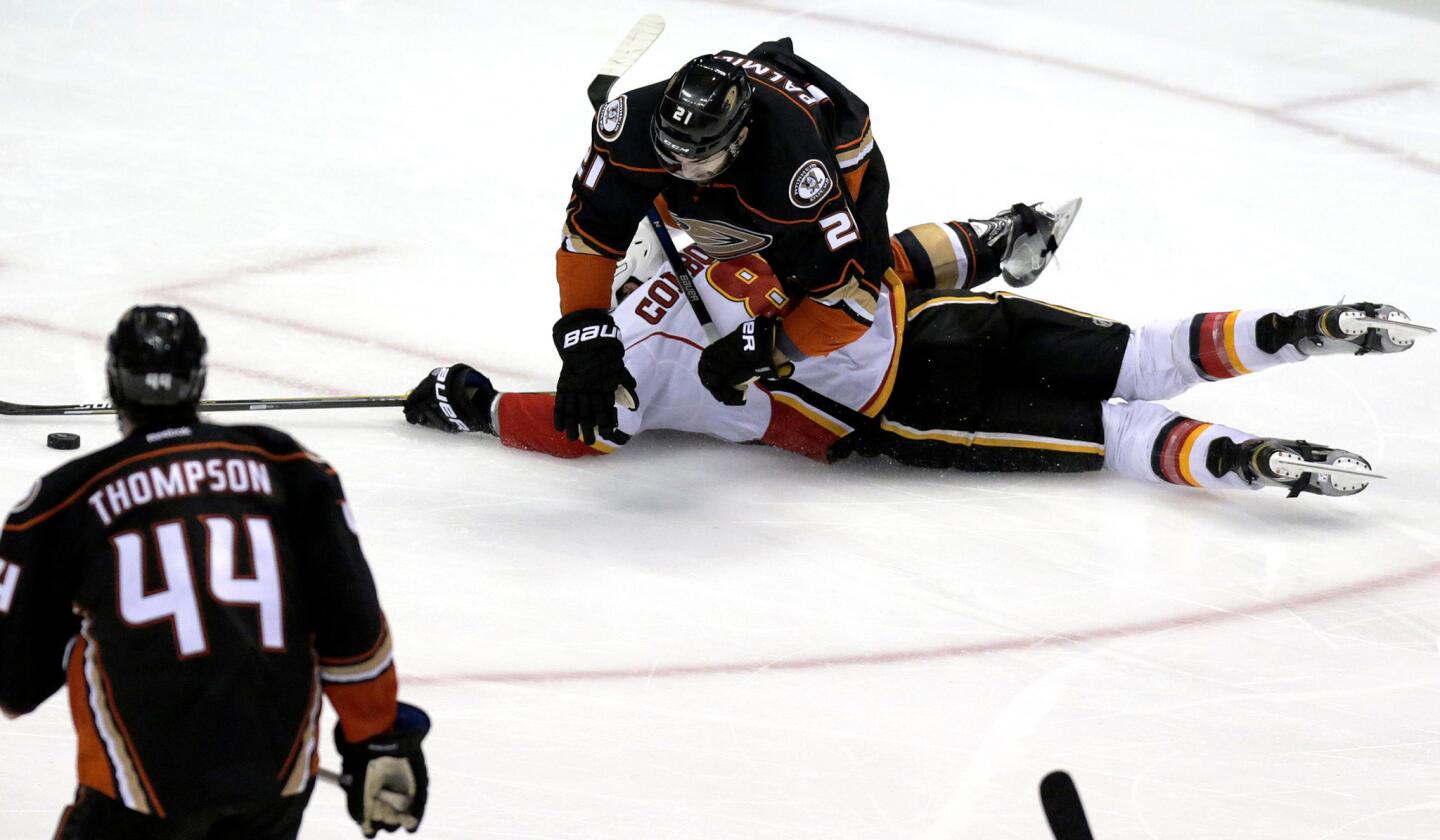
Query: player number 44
(178, 602)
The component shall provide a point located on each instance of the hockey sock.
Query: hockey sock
(1165, 358)
(942, 256)
(1149, 442)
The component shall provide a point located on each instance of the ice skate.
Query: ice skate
(1026, 237)
(1295, 465)
(1356, 328)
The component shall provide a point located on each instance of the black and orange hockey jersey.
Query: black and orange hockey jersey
(196, 589)
(808, 192)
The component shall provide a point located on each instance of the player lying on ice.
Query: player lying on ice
(947, 376)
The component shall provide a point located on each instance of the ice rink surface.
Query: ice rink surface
(701, 641)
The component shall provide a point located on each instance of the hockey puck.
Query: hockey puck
(62, 440)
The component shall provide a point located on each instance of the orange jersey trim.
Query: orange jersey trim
(854, 177)
(366, 709)
(92, 768)
(818, 330)
(902, 269)
(584, 280)
(864, 130)
(143, 456)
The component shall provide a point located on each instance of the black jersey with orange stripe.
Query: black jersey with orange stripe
(197, 588)
(808, 189)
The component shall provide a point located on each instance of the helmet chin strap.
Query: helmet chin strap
(725, 158)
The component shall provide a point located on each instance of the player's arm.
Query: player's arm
(36, 618)
(378, 738)
(616, 183)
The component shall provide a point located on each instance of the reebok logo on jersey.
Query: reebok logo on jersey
(590, 333)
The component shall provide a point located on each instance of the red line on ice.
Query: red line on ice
(1199, 618)
(99, 341)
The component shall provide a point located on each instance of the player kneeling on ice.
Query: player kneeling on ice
(196, 588)
(947, 376)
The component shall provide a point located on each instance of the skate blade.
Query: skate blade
(1290, 465)
(1396, 327)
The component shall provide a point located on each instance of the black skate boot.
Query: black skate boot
(1337, 329)
(1296, 465)
(1024, 238)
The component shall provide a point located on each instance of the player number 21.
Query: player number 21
(178, 602)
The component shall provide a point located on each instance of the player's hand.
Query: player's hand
(384, 778)
(593, 377)
(728, 366)
(452, 399)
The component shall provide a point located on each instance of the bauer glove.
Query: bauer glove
(384, 777)
(452, 399)
(593, 377)
(728, 366)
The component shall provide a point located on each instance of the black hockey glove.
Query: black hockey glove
(452, 399)
(593, 377)
(729, 365)
(384, 778)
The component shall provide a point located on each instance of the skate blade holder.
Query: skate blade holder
(1401, 331)
(1345, 474)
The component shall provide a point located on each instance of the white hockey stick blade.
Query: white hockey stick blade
(1402, 328)
(632, 46)
(1291, 466)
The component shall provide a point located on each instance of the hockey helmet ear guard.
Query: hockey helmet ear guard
(156, 357)
(699, 125)
(643, 260)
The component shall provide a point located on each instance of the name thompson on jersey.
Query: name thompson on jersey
(197, 589)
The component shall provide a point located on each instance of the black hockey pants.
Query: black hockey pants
(998, 382)
(95, 816)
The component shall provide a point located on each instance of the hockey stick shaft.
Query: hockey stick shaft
(682, 274)
(276, 404)
(1062, 807)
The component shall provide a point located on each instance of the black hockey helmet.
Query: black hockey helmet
(156, 361)
(701, 115)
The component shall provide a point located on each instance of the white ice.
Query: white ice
(694, 640)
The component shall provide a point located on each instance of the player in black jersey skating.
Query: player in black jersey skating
(756, 153)
(196, 588)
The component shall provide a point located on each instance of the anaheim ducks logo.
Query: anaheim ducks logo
(724, 241)
(610, 119)
(810, 184)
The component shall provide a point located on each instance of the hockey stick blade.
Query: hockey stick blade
(1404, 328)
(632, 46)
(276, 404)
(394, 799)
(1062, 807)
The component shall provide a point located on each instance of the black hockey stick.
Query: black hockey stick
(632, 46)
(275, 404)
(1062, 807)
